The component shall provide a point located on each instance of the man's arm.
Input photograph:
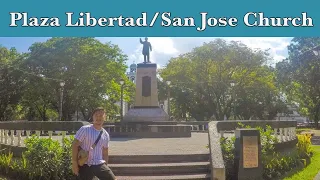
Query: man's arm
(75, 149)
(79, 137)
(150, 46)
(105, 149)
(141, 41)
(105, 154)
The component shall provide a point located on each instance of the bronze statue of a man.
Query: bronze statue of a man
(146, 49)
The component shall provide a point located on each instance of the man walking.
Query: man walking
(94, 140)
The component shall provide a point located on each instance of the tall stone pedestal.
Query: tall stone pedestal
(146, 106)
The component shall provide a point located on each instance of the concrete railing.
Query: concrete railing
(15, 130)
(284, 130)
(11, 132)
(196, 126)
(148, 130)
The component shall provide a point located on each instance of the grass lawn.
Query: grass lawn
(311, 170)
(309, 130)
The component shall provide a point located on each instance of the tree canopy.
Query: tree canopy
(216, 81)
(299, 75)
(89, 69)
(223, 80)
(12, 83)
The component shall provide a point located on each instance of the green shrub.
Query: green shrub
(228, 152)
(277, 165)
(12, 167)
(304, 145)
(44, 159)
(274, 164)
(66, 159)
(5, 162)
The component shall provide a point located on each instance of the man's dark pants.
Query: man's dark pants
(102, 171)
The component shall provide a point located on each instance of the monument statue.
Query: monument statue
(146, 50)
(146, 105)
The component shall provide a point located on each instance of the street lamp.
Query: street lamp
(168, 83)
(184, 107)
(316, 51)
(62, 83)
(232, 84)
(121, 101)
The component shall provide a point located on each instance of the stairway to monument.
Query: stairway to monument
(161, 167)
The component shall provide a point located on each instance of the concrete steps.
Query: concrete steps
(174, 177)
(161, 167)
(145, 159)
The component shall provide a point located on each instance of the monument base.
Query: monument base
(146, 114)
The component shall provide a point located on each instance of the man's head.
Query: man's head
(98, 116)
(146, 39)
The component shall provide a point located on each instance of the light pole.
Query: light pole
(62, 83)
(184, 107)
(168, 83)
(121, 101)
(260, 103)
(232, 84)
(316, 51)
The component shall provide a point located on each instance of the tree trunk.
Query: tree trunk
(316, 116)
(316, 120)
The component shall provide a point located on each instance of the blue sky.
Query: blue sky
(164, 47)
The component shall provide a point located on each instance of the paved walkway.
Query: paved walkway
(196, 144)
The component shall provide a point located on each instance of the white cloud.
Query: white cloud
(277, 46)
(165, 48)
(161, 47)
(278, 58)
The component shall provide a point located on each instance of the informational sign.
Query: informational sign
(250, 152)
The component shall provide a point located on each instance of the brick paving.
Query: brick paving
(196, 144)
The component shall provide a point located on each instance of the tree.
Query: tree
(299, 76)
(12, 83)
(89, 68)
(202, 82)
